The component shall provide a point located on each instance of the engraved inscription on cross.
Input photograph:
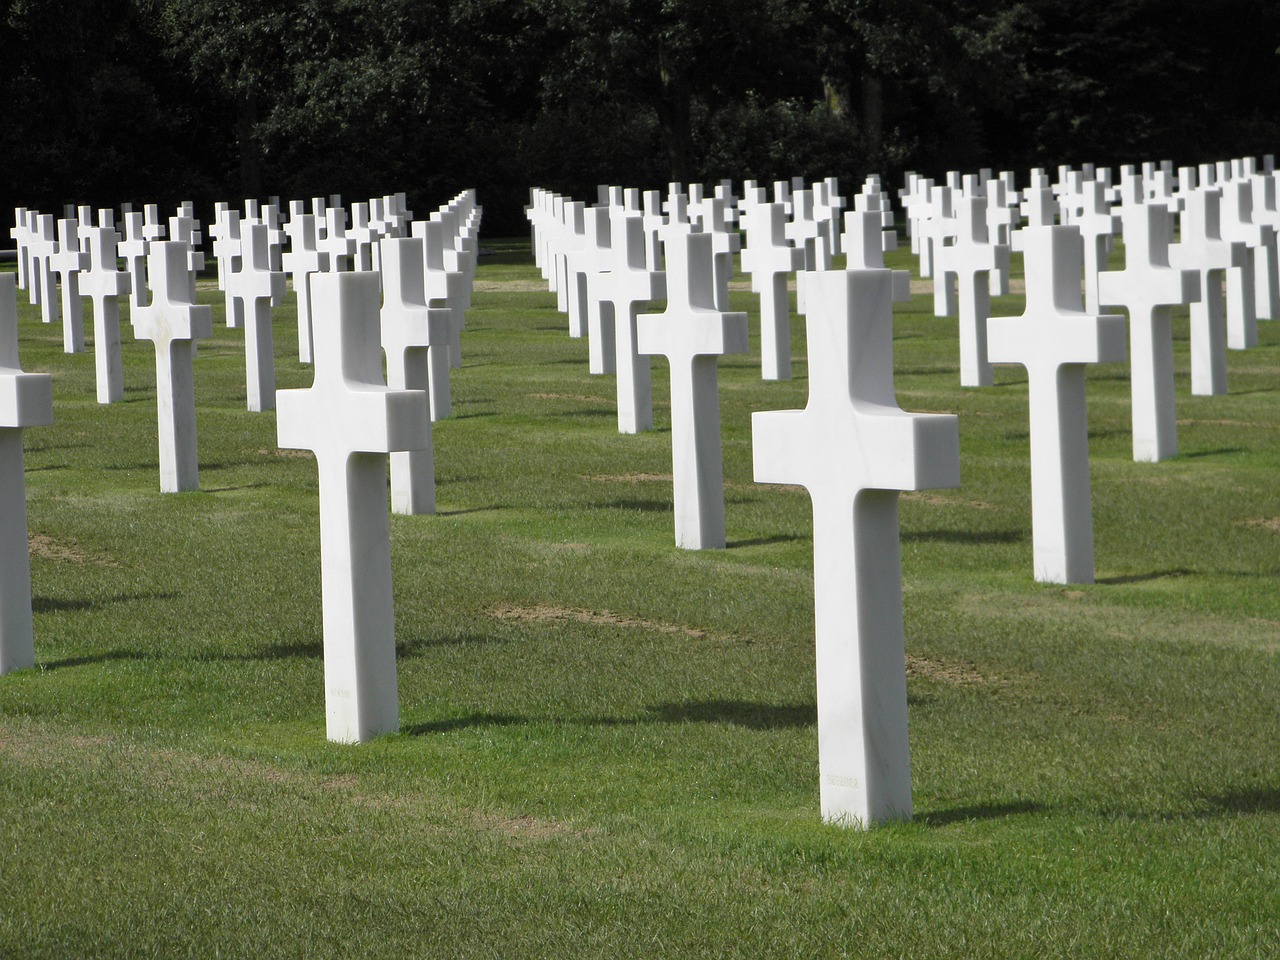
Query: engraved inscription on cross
(854, 450)
(26, 400)
(351, 421)
(692, 334)
(173, 323)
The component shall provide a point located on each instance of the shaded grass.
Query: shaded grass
(608, 746)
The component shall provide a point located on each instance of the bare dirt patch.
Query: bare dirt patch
(1267, 523)
(632, 478)
(47, 548)
(288, 454)
(950, 672)
(578, 398)
(545, 613)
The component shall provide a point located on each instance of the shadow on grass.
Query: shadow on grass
(55, 605)
(1197, 454)
(965, 536)
(1143, 577)
(93, 658)
(765, 541)
(466, 510)
(982, 811)
(1252, 800)
(232, 489)
(739, 713)
(463, 723)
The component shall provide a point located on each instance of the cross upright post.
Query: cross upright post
(1147, 288)
(173, 323)
(411, 333)
(1237, 225)
(692, 334)
(770, 259)
(256, 288)
(854, 450)
(351, 421)
(68, 263)
(104, 284)
(1054, 339)
(21, 238)
(340, 247)
(864, 249)
(26, 400)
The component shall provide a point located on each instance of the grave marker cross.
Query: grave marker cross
(104, 284)
(351, 421)
(173, 323)
(26, 400)
(692, 334)
(770, 259)
(257, 288)
(68, 263)
(854, 450)
(1054, 339)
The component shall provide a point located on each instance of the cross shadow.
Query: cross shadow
(463, 723)
(465, 510)
(54, 605)
(243, 486)
(739, 713)
(1143, 577)
(982, 811)
(92, 658)
(965, 536)
(1250, 800)
(1197, 454)
(765, 541)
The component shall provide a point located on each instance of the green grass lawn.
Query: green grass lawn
(608, 745)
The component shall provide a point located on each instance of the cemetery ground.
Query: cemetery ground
(608, 745)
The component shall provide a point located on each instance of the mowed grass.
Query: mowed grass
(608, 746)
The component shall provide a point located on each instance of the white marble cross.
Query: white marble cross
(257, 288)
(173, 323)
(864, 249)
(44, 286)
(1237, 226)
(69, 262)
(26, 400)
(302, 259)
(725, 242)
(854, 450)
(415, 339)
(351, 421)
(625, 286)
(1098, 225)
(444, 288)
(576, 295)
(228, 247)
(335, 242)
(21, 237)
(1201, 248)
(770, 259)
(969, 260)
(1147, 288)
(104, 284)
(601, 343)
(1054, 339)
(692, 334)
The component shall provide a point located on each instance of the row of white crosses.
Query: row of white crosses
(349, 417)
(852, 448)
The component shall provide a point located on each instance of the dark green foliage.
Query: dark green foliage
(160, 100)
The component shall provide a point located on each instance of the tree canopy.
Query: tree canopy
(161, 100)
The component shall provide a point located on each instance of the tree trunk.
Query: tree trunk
(873, 116)
(674, 116)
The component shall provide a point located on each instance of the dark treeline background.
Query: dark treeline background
(163, 100)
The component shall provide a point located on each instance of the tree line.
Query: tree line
(164, 100)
